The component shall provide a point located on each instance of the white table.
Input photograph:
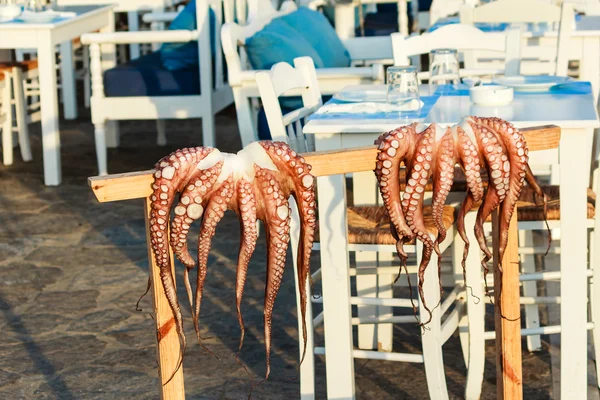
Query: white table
(44, 37)
(575, 114)
(133, 8)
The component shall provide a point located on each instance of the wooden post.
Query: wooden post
(507, 310)
(168, 348)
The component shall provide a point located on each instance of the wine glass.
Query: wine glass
(444, 69)
(403, 87)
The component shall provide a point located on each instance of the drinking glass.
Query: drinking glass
(443, 68)
(403, 87)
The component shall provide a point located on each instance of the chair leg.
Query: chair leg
(7, 134)
(100, 137)
(112, 134)
(307, 368)
(431, 337)
(21, 115)
(87, 82)
(595, 292)
(161, 135)
(208, 130)
(476, 313)
(385, 290)
(244, 116)
(532, 311)
(463, 324)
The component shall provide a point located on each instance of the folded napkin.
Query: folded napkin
(369, 107)
(28, 15)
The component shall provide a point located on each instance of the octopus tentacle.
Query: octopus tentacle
(215, 210)
(189, 209)
(443, 176)
(393, 148)
(247, 213)
(303, 190)
(469, 160)
(419, 171)
(172, 173)
(493, 152)
(517, 159)
(277, 218)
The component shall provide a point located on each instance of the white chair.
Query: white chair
(13, 96)
(463, 38)
(444, 8)
(539, 56)
(331, 80)
(284, 79)
(214, 94)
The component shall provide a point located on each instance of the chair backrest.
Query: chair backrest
(541, 58)
(233, 36)
(462, 38)
(225, 11)
(444, 8)
(283, 79)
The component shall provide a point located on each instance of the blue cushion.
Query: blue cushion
(176, 56)
(146, 76)
(278, 42)
(318, 32)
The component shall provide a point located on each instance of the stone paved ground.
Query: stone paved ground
(71, 270)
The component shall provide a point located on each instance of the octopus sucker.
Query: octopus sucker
(443, 176)
(302, 188)
(394, 147)
(173, 178)
(277, 219)
(246, 210)
(215, 210)
(474, 144)
(492, 150)
(255, 183)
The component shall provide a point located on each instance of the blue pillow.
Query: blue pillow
(176, 56)
(278, 42)
(316, 30)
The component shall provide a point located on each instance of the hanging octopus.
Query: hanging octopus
(432, 152)
(256, 184)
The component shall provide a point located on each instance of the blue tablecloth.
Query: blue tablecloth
(571, 88)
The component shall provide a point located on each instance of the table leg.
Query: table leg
(49, 105)
(333, 231)
(133, 23)
(67, 78)
(573, 260)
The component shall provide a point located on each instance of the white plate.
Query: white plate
(362, 95)
(39, 17)
(536, 83)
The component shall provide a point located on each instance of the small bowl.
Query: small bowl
(491, 95)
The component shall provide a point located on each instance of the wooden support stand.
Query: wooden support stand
(137, 185)
(507, 314)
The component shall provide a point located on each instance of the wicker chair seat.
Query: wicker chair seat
(371, 224)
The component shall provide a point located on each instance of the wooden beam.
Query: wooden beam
(135, 185)
(507, 313)
(168, 351)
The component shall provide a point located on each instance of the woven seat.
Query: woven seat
(529, 211)
(371, 224)
(27, 65)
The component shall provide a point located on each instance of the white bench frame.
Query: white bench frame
(205, 105)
